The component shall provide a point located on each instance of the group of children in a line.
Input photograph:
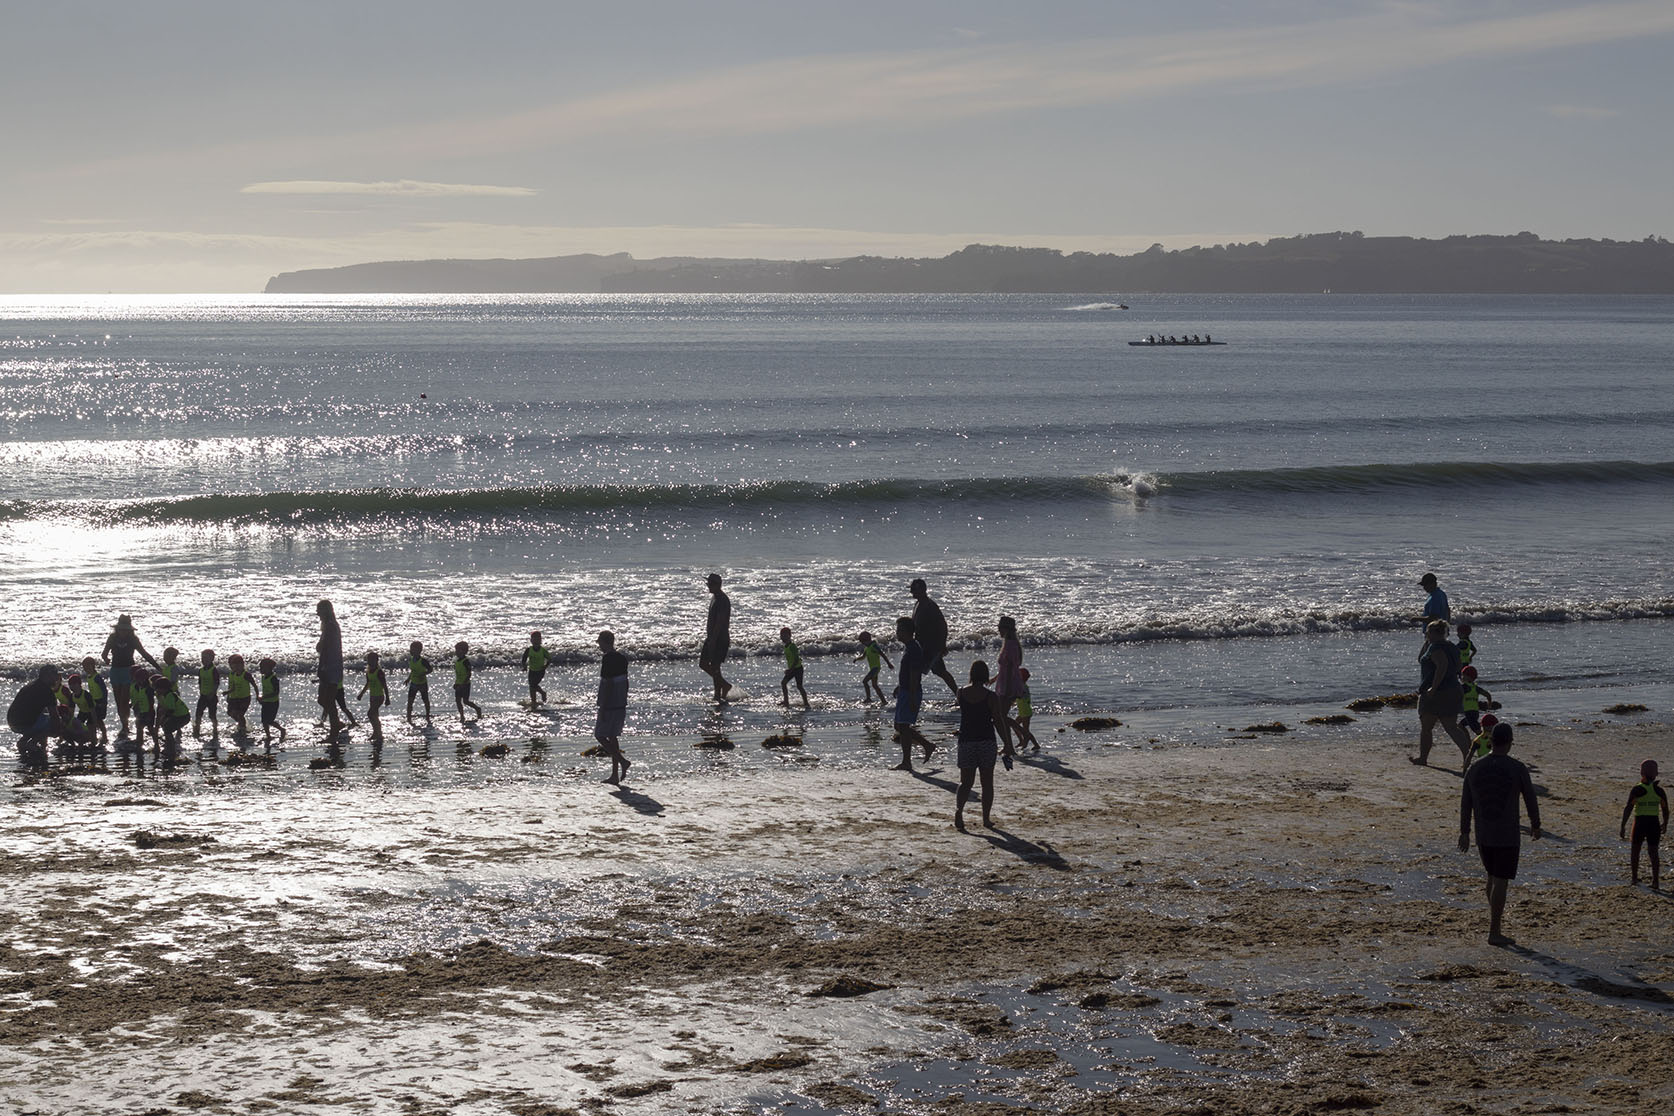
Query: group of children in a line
(153, 700)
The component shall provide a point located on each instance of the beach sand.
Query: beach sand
(1247, 924)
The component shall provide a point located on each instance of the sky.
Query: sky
(193, 146)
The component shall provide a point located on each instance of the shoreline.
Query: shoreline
(1276, 926)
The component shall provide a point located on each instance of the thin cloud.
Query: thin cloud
(1580, 112)
(914, 88)
(403, 188)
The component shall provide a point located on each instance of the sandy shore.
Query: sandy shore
(1268, 925)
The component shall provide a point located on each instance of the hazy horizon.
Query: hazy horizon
(190, 146)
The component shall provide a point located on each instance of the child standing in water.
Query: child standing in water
(1467, 649)
(613, 706)
(99, 694)
(378, 686)
(418, 679)
(270, 703)
(145, 720)
(462, 680)
(534, 660)
(1646, 801)
(793, 669)
(209, 684)
(875, 658)
(240, 689)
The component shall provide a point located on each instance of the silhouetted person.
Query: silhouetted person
(1440, 696)
(613, 706)
(717, 636)
(120, 648)
(330, 670)
(980, 715)
(931, 628)
(1492, 787)
(34, 715)
(909, 693)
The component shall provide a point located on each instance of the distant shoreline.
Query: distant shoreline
(1335, 263)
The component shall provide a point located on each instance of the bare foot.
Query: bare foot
(902, 766)
(1500, 940)
(614, 781)
(959, 822)
(1418, 761)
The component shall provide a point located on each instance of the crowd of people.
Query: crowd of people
(153, 716)
(994, 720)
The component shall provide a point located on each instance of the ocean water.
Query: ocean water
(1179, 532)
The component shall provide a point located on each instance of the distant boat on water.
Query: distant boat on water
(1175, 342)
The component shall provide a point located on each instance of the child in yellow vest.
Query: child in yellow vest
(1647, 805)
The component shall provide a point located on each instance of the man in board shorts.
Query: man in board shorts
(909, 693)
(1493, 785)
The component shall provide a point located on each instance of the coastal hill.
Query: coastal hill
(1342, 262)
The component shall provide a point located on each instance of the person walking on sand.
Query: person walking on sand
(120, 648)
(330, 670)
(717, 637)
(1440, 697)
(981, 712)
(909, 693)
(931, 627)
(1645, 802)
(1492, 787)
(613, 707)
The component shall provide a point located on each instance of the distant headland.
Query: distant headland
(1340, 262)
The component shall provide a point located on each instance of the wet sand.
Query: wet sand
(1241, 925)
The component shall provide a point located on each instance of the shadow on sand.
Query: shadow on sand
(1050, 764)
(642, 803)
(1587, 981)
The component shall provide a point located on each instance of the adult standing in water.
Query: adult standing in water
(717, 637)
(931, 628)
(120, 648)
(330, 671)
(1435, 605)
(1440, 696)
